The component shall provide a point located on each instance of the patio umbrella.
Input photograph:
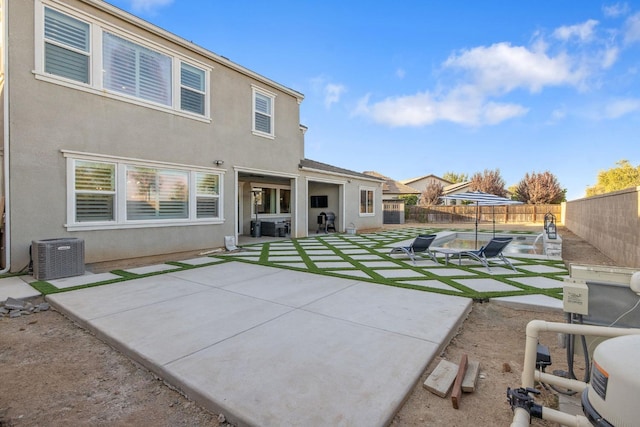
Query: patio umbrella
(481, 198)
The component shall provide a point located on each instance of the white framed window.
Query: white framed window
(95, 191)
(134, 70)
(367, 200)
(109, 192)
(77, 50)
(67, 46)
(192, 88)
(263, 117)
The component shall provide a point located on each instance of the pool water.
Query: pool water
(520, 246)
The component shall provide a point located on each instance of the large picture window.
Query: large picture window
(116, 64)
(136, 71)
(113, 193)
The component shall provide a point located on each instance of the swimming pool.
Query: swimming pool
(521, 244)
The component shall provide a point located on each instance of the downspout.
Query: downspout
(5, 144)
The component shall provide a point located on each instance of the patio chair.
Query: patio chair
(419, 247)
(492, 251)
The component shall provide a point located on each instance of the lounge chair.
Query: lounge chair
(492, 250)
(419, 247)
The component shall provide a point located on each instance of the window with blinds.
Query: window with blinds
(192, 88)
(95, 190)
(207, 195)
(144, 193)
(66, 47)
(134, 70)
(156, 194)
(262, 116)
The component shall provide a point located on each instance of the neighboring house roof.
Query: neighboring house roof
(458, 186)
(419, 178)
(334, 170)
(392, 186)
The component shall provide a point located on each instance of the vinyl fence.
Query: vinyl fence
(511, 214)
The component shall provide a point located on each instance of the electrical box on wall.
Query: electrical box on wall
(575, 297)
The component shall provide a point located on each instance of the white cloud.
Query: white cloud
(621, 108)
(632, 29)
(609, 57)
(583, 32)
(501, 68)
(462, 106)
(148, 5)
(616, 10)
(332, 93)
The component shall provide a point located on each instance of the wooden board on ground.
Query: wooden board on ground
(456, 393)
(442, 378)
(470, 379)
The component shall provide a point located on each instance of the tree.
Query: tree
(431, 194)
(617, 178)
(409, 199)
(455, 178)
(539, 188)
(489, 182)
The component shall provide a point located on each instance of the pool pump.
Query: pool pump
(611, 398)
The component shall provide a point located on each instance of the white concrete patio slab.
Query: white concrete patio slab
(15, 287)
(531, 302)
(541, 268)
(486, 285)
(85, 279)
(293, 265)
(334, 264)
(378, 264)
(157, 268)
(304, 369)
(539, 282)
(277, 348)
(325, 257)
(398, 273)
(449, 272)
(283, 258)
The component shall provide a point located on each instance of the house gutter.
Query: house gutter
(5, 141)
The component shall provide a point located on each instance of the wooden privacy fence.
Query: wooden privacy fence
(512, 214)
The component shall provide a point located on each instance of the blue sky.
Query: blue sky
(418, 87)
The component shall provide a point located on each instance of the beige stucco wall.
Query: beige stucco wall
(46, 118)
(610, 222)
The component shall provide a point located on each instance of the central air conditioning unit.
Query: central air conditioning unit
(57, 258)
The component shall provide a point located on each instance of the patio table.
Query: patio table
(447, 252)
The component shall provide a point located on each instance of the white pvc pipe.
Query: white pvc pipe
(5, 147)
(521, 417)
(567, 383)
(565, 419)
(536, 326)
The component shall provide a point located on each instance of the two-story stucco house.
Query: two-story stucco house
(141, 143)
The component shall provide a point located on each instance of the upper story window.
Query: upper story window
(192, 88)
(78, 49)
(66, 46)
(135, 70)
(263, 112)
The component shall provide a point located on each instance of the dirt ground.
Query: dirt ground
(54, 373)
